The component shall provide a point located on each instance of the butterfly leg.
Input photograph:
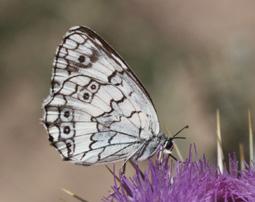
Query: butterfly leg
(169, 153)
(129, 158)
(123, 168)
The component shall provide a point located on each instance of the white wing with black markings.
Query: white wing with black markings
(97, 110)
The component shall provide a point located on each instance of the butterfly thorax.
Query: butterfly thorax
(150, 146)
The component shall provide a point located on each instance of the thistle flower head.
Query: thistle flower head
(191, 180)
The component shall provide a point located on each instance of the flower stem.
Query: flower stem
(220, 157)
(250, 137)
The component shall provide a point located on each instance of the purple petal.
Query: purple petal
(186, 181)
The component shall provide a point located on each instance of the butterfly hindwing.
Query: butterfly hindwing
(97, 110)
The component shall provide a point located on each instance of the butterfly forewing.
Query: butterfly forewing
(97, 110)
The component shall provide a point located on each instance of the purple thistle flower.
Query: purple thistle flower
(185, 181)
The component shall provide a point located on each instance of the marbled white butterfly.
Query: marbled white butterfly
(97, 110)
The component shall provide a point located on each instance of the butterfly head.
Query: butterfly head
(168, 146)
(169, 142)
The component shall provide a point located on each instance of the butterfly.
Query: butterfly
(97, 110)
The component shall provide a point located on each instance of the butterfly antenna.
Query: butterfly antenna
(174, 137)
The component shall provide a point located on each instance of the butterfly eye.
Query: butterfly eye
(81, 58)
(66, 115)
(85, 95)
(93, 87)
(169, 145)
(85, 62)
(67, 130)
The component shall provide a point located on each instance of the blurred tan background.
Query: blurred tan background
(192, 56)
